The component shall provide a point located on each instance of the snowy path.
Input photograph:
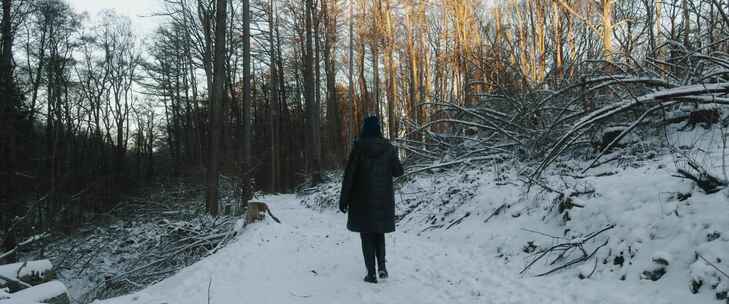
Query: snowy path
(311, 258)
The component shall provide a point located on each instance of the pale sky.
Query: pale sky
(134, 9)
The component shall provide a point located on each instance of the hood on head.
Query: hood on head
(371, 128)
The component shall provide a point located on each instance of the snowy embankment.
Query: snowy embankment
(465, 237)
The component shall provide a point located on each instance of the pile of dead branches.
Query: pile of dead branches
(540, 125)
(638, 95)
(164, 248)
(144, 240)
(145, 252)
(462, 136)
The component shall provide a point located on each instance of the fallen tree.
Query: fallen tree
(32, 282)
(18, 276)
(53, 292)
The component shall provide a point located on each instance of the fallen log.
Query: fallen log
(12, 284)
(53, 292)
(28, 273)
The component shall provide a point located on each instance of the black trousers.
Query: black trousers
(373, 247)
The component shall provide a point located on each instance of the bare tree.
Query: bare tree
(246, 103)
(312, 107)
(216, 111)
(8, 116)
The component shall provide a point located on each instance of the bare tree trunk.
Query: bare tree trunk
(312, 107)
(247, 193)
(686, 23)
(376, 79)
(363, 91)
(413, 98)
(216, 112)
(286, 180)
(8, 117)
(333, 119)
(274, 101)
(657, 29)
(350, 117)
(391, 76)
(558, 45)
(316, 29)
(607, 30)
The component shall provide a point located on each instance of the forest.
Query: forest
(236, 99)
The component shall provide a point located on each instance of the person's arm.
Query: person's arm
(397, 169)
(348, 180)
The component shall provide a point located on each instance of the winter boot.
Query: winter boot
(383, 273)
(370, 278)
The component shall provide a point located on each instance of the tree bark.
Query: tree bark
(351, 128)
(8, 115)
(391, 74)
(274, 107)
(607, 30)
(312, 107)
(247, 192)
(686, 23)
(333, 119)
(216, 102)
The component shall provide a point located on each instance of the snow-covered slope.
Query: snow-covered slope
(466, 235)
(658, 219)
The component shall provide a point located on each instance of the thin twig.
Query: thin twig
(210, 287)
(458, 221)
(712, 265)
(496, 212)
(541, 233)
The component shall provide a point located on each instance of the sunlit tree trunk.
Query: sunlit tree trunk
(350, 116)
(412, 66)
(391, 72)
(607, 30)
(558, 45)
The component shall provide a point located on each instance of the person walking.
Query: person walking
(367, 194)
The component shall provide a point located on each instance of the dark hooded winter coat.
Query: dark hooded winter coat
(367, 190)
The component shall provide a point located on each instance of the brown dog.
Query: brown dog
(256, 211)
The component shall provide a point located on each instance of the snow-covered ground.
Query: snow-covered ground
(311, 258)
(456, 243)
